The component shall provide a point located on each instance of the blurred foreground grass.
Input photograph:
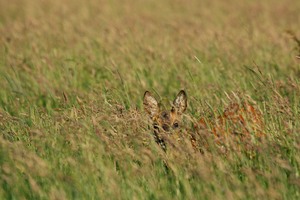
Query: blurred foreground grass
(72, 77)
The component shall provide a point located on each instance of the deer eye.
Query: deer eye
(175, 125)
(165, 127)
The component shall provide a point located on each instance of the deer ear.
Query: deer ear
(150, 104)
(180, 102)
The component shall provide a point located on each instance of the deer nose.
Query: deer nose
(165, 127)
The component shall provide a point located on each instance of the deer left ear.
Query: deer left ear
(180, 102)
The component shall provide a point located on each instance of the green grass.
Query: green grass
(73, 75)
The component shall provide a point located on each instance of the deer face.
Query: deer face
(165, 120)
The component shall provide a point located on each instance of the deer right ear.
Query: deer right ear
(150, 104)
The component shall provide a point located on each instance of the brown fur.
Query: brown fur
(165, 121)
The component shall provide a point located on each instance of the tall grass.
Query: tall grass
(72, 78)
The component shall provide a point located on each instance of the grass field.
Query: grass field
(73, 74)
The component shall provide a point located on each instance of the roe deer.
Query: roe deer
(235, 120)
(165, 121)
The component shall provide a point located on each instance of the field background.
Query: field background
(73, 74)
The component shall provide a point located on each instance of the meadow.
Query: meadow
(72, 78)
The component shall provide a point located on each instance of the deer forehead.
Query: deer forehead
(167, 117)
